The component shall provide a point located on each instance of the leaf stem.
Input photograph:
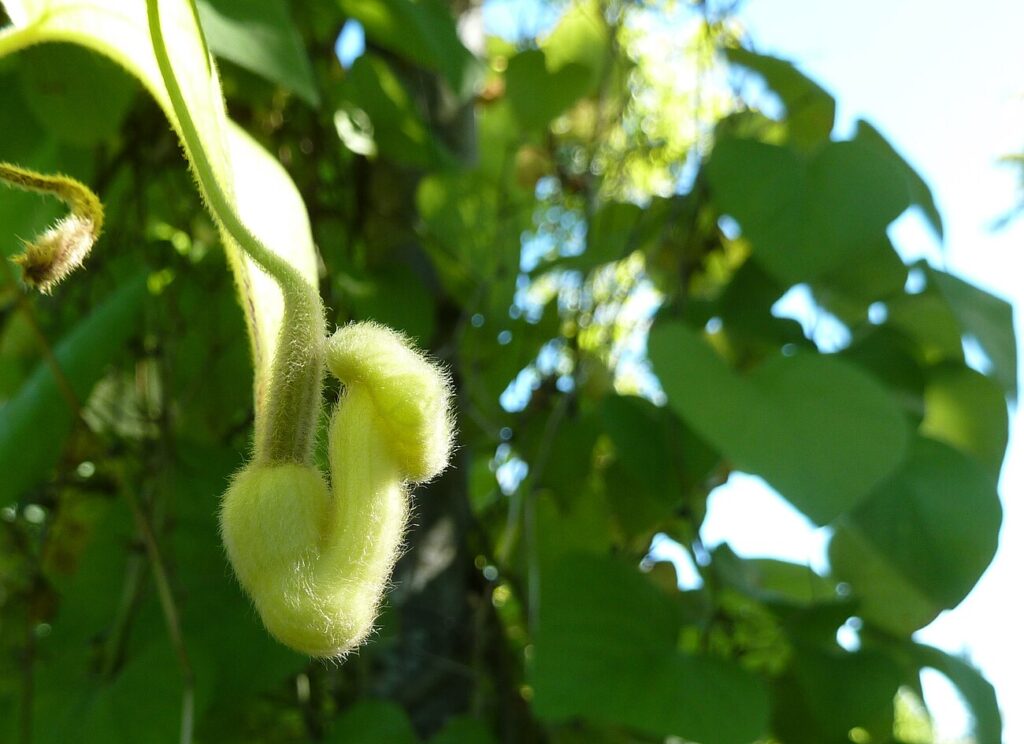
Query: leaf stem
(286, 426)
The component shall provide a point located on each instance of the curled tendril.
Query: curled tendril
(316, 560)
(62, 248)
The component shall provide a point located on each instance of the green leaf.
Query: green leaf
(594, 659)
(464, 730)
(35, 423)
(62, 83)
(581, 38)
(421, 31)
(875, 273)
(805, 218)
(920, 193)
(372, 722)
(22, 213)
(987, 319)
(827, 693)
(399, 131)
(928, 319)
(264, 195)
(396, 297)
(977, 692)
(774, 580)
(967, 410)
(922, 540)
(820, 431)
(259, 35)
(810, 110)
(142, 703)
(536, 94)
(660, 465)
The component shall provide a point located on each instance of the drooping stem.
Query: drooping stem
(61, 249)
(287, 426)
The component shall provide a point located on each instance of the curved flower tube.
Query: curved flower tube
(316, 562)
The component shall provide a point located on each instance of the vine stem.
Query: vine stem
(285, 431)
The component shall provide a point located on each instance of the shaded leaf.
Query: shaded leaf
(581, 38)
(922, 540)
(35, 423)
(464, 730)
(399, 131)
(422, 32)
(828, 693)
(63, 82)
(606, 650)
(920, 193)
(538, 95)
(372, 722)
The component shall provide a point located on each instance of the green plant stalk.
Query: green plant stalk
(62, 248)
(286, 423)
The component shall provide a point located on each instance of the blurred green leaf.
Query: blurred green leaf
(372, 722)
(922, 540)
(985, 318)
(36, 421)
(820, 431)
(398, 129)
(421, 31)
(920, 193)
(828, 693)
(928, 319)
(810, 110)
(536, 94)
(581, 38)
(62, 83)
(606, 651)
(259, 35)
(397, 297)
(967, 410)
(805, 218)
(977, 692)
(464, 730)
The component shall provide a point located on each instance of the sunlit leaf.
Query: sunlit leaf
(820, 431)
(810, 110)
(259, 35)
(806, 217)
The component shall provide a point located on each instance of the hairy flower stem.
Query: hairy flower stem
(62, 248)
(286, 422)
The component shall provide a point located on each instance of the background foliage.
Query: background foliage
(529, 211)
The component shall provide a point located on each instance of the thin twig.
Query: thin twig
(168, 606)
